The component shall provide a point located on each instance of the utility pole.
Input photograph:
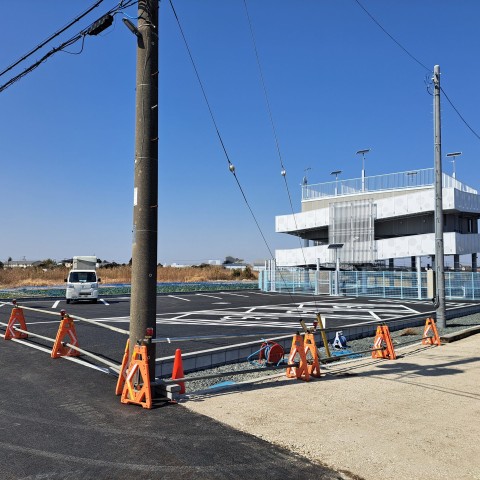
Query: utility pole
(145, 198)
(439, 248)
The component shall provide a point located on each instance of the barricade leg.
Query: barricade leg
(430, 333)
(311, 347)
(66, 329)
(137, 388)
(383, 340)
(300, 371)
(15, 317)
(123, 370)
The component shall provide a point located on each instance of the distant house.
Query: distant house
(235, 266)
(22, 263)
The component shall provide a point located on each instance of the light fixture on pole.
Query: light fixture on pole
(363, 152)
(336, 173)
(305, 180)
(131, 27)
(453, 155)
(411, 176)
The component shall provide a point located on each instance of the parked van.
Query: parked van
(82, 280)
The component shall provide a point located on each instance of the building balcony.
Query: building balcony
(398, 247)
(399, 203)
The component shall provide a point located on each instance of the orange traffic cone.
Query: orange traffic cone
(16, 316)
(177, 371)
(427, 339)
(66, 328)
(137, 389)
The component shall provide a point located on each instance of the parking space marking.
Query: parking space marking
(55, 305)
(179, 298)
(104, 301)
(234, 294)
(210, 296)
(374, 315)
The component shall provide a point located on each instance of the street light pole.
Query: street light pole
(453, 155)
(336, 173)
(363, 152)
(145, 198)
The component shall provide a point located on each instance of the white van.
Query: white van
(82, 283)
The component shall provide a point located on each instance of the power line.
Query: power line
(230, 164)
(420, 63)
(459, 114)
(118, 8)
(50, 38)
(282, 166)
(392, 38)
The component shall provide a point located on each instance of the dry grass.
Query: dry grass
(26, 277)
(409, 331)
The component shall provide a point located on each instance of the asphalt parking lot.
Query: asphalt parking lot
(223, 317)
(61, 420)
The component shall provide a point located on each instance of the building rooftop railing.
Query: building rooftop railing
(391, 181)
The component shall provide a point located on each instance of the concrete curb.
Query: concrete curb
(453, 337)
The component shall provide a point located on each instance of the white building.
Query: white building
(381, 218)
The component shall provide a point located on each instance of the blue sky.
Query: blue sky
(336, 84)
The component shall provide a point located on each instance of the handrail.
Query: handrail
(391, 181)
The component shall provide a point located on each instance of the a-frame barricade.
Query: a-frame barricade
(65, 329)
(137, 388)
(313, 364)
(16, 317)
(383, 341)
(430, 333)
(123, 369)
(301, 371)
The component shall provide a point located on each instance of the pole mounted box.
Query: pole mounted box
(100, 25)
(431, 284)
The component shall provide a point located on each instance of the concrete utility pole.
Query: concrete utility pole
(439, 249)
(145, 208)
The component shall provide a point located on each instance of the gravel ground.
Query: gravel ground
(400, 338)
(412, 418)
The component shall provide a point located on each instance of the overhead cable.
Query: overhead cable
(118, 8)
(50, 38)
(421, 64)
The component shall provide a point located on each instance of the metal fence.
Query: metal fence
(384, 284)
(391, 181)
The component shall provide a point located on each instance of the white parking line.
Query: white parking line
(70, 359)
(104, 301)
(234, 294)
(210, 296)
(55, 305)
(179, 298)
(374, 315)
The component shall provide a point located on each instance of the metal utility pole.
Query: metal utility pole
(145, 198)
(439, 248)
